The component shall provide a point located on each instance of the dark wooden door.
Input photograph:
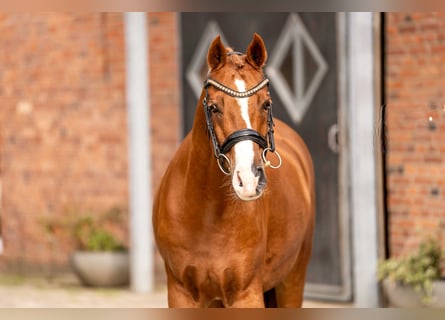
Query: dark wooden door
(303, 69)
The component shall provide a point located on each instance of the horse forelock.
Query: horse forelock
(237, 60)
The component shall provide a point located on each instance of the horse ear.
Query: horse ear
(256, 52)
(216, 56)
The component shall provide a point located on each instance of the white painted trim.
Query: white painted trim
(140, 192)
(363, 183)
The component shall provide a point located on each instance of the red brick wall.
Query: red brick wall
(415, 99)
(63, 133)
(165, 89)
(165, 98)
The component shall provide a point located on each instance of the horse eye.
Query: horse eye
(214, 108)
(267, 105)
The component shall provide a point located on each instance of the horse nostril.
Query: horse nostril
(259, 171)
(239, 179)
(262, 177)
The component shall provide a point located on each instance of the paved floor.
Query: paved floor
(65, 292)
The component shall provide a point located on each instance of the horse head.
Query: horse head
(237, 105)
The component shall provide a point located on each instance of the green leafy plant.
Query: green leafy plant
(91, 236)
(90, 231)
(417, 270)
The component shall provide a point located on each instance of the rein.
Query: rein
(266, 143)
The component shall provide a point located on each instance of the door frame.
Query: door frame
(365, 155)
(361, 167)
(344, 291)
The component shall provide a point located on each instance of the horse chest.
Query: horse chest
(212, 241)
(212, 250)
(215, 263)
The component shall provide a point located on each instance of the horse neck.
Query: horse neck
(202, 165)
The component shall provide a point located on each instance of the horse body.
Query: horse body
(220, 250)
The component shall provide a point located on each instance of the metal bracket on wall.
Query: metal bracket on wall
(333, 139)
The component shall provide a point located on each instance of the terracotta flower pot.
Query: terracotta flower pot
(102, 269)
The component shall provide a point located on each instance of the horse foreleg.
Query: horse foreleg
(289, 293)
(178, 295)
(252, 297)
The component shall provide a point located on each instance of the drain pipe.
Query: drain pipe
(140, 193)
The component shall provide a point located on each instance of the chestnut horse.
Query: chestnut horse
(229, 236)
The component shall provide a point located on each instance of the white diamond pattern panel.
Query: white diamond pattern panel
(295, 37)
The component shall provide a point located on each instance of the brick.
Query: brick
(412, 41)
(63, 131)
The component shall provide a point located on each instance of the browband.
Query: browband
(234, 93)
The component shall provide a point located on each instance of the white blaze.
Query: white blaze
(243, 103)
(244, 181)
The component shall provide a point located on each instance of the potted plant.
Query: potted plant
(101, 258)
(415, 280)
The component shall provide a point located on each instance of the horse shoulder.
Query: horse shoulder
(295, 177)
(292, 203)
(168, 197)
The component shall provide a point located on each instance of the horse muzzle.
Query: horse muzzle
(248, 174)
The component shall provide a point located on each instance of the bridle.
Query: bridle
(266, 143)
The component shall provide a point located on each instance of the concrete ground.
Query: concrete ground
(66, 292)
